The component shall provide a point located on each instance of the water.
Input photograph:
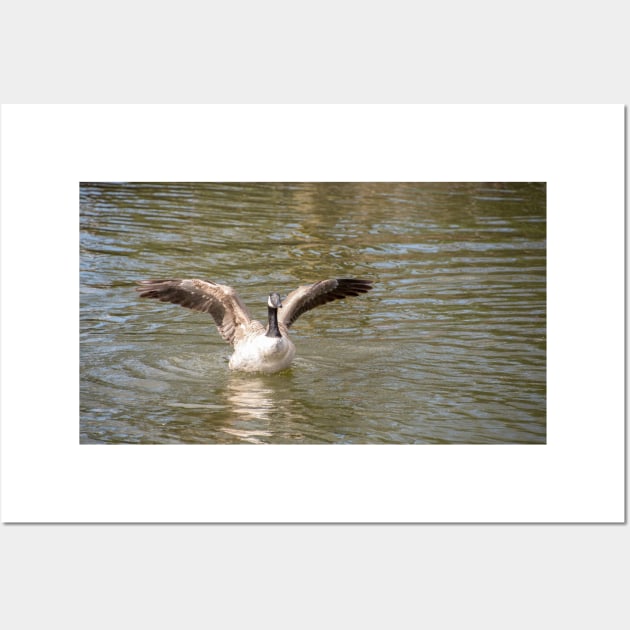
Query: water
(449, 347)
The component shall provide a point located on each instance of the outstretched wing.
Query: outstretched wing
(307, 297)
(222, 302)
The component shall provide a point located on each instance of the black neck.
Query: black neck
(272, 329)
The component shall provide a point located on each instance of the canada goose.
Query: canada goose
(256, 348)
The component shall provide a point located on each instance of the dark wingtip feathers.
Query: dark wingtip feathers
(167, 291)
(153, 288)
(351, 287)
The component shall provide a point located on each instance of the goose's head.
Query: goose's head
(274, 300)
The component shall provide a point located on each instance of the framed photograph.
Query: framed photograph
(390, 314)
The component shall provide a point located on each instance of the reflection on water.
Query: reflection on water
(449, 347)
(252, 405)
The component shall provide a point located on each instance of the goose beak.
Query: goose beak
(274, 300)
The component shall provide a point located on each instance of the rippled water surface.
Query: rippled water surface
(449, 347)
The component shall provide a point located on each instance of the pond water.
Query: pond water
(448, 348)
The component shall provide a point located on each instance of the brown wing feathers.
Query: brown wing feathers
(222, 302)
(308, 297)
(228, 310)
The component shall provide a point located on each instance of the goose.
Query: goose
(257, 348)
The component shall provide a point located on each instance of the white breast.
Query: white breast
(260, 353)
